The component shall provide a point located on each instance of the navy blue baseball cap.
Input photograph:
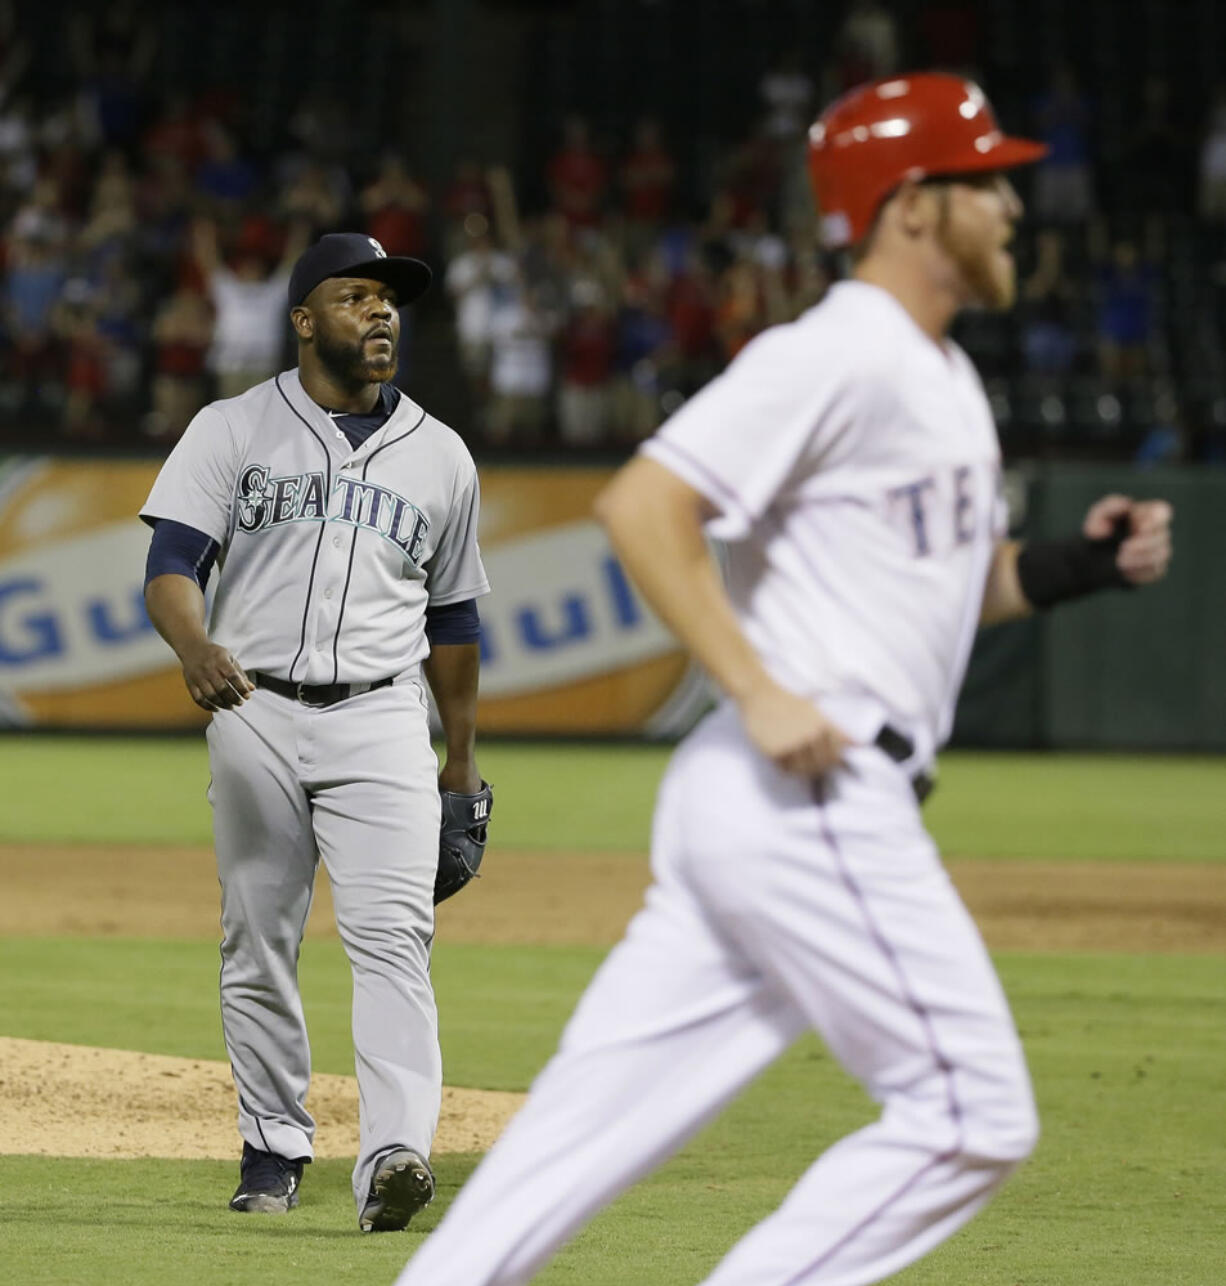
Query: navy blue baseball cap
(354, 254)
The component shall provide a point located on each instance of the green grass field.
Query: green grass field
(1128, 1053)
(1113, 807)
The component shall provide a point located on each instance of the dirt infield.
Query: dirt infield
(72, 1100)
(66, 1100)
(571, 898)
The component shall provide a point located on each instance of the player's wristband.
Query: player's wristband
(1054, 571)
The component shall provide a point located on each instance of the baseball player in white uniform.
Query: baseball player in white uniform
(850, 462)
(343, 519)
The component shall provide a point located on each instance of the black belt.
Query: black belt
(316, 694)
(900, 748)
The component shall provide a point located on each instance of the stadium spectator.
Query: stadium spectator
(808, 277)
(113, 47)
(102, 174)
(112, 218)
(741, 311)
(181, 332)
(74, 324)
(787, 92)
(1063, 182)
(18, 145)
(588, 347)
(548, 259)
(467, 193)
(690, 306)
(867, 45)
(322, 128)
(473, 280)
(65, 155)
(577, 176)
(648, 180)
(1166, 440)
(395, 206)
(758, 243)
(644, 357)
(119, 323)
(225, 178)
(1048, 340)
(36, 271)
(1125, 313)
(522, 331)
(177, 132)
(1212, 196)
(318, 194)
(249, 303)
(751, 174)
(164, 212)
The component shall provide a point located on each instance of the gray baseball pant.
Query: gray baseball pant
(355, 784)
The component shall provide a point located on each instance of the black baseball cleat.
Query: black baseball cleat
(268, 1183)
(403, 1185)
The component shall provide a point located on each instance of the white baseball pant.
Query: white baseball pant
(773, 910)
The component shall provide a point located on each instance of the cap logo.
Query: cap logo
(377, 248)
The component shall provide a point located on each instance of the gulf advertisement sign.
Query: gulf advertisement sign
(568, 645)
(76, 646)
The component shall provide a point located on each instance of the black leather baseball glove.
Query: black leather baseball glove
(462, 839)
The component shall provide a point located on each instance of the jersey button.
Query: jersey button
(327, 593)
(336, 540)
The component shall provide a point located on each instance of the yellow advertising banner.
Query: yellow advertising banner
(568, 646)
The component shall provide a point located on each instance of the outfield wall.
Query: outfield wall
(569, 648)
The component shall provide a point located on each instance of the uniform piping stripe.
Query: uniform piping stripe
(391, 442)
(340, 616)
(209, 551)
(319, 540)
(925, 1019)
(721, 489)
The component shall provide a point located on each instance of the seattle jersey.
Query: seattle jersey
(855, 468)
(329, 554)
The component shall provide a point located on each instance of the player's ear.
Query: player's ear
(303, 322)
(914, 208)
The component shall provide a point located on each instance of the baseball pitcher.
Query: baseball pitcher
(343, 521)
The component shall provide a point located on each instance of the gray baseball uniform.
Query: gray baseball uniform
(329, 558)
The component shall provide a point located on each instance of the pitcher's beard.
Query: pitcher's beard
(349, 365)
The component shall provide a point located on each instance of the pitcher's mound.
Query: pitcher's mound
(79, 1101)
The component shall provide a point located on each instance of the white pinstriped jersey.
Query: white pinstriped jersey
(329, 555)
(855, 466)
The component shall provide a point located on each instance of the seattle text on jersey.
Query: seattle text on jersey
(264, 502)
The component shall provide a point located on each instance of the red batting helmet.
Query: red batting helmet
(908, 127)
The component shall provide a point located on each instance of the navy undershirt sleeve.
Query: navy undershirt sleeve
(180, 549)
(454, 623)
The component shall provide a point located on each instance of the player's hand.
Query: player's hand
(791, 731)
(214, 679)
(1145, 552)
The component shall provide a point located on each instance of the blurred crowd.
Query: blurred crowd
(146, 248)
